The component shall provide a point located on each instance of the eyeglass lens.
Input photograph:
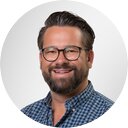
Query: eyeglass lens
(70, 53)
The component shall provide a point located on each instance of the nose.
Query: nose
(61, 58)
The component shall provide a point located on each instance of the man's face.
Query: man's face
(64, 76)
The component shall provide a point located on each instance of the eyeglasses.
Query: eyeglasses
(71, 53)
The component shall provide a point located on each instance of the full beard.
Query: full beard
(65, 86)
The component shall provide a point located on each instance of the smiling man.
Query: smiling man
(66, 55)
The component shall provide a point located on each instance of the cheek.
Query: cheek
(80, 64)
(44, 66)
(83, 63)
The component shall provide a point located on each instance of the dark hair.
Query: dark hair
(65, 18)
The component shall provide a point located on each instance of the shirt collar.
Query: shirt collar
(81, 98)
(75, 101)
(47, 100)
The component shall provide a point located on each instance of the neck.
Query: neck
(59, 99)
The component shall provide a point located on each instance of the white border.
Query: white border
(11, 11)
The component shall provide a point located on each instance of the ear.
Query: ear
(90, 57)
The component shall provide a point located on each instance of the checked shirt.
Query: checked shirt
(80, 109)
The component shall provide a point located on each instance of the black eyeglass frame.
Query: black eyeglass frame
(63, 50)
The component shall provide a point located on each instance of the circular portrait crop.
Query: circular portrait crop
(63, 64)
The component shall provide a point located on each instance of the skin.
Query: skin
(61, 37)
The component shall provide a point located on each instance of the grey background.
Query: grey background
(20, 56)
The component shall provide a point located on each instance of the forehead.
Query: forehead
(62, 36)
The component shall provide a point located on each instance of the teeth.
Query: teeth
(62, 71)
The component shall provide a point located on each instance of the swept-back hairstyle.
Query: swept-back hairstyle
(64, 18)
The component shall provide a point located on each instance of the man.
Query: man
(66, 55)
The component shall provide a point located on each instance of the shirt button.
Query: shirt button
(73, 109)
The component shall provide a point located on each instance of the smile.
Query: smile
(62, 71)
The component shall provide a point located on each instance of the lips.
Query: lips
(62, 71)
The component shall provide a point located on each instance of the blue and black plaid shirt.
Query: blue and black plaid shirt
(80, 109)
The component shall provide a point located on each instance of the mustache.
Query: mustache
(62, 66)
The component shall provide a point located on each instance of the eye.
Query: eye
(50, 50)
(71, 50)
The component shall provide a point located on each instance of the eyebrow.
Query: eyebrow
(52, 46)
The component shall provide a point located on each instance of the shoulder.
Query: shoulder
(33, 108)
(95, 106)
(104, 98)
(101, 101)
(98, 100)
(38, 108)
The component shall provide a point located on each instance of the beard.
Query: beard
(65, 86)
